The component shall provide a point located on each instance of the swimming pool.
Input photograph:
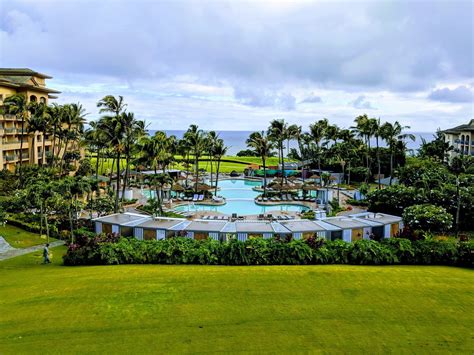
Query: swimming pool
(239, 199)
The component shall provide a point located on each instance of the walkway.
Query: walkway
(12, 252)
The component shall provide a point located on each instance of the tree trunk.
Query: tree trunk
(51, 163)
(349, 173)
(125, 180)
(21, 144)
(196, 163)
(217, 174)
(378, 162)
(264, 177)
(118, 183)
(41, 218)
(97, 165)
(391, 166)
(43, 158)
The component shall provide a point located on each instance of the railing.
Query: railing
(10, 143)
(10, 130)
(11, 157)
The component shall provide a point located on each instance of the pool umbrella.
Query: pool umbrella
(178, 187)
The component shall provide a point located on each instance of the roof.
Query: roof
(22, 72)
(378, 217)
(206, 226)
(20, 78)
(253, 227)
(160, 223)
(301, 225)
(346, 222)
(123, 219)
(461, 128)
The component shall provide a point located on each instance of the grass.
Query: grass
(19, 238)
(229, 164)
(175, 309)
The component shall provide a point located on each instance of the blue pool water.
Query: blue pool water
(240, 199)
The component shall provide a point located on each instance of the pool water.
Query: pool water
(239, 199)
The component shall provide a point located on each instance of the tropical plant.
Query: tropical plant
(262, 146)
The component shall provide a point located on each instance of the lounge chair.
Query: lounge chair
(261, 216)
(195, 197)
(265, 199)
(201, 197)
(234, 215)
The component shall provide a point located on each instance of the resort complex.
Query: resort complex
(251, 177)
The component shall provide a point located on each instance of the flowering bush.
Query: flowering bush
(427, 218)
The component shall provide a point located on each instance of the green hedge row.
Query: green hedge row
(106, 250)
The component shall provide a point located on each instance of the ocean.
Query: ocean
(235, 140)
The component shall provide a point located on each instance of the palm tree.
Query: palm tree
(114, 128)
(219, 151)
(364, 130)
(72, 126)
(212, 138)
(159, 181)
(197, 141)
(262, 146)
(317, 131)
(39, 122)
(18, 105)
(56, 112)
(134, 129)
(376, 129)
(97, 140)
(392, 134)
(278, 133)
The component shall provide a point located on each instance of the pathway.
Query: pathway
(7, 252)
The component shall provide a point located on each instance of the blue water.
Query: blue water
(235, 140)
(239, 199)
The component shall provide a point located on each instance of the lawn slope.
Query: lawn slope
(151, 308)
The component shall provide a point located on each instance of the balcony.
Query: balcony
(11, 157)
(10, 130)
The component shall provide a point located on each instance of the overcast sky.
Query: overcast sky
(235, 65)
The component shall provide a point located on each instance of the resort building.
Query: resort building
(348, 228)
(33, 85)
(461, 138)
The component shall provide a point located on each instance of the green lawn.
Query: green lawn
(174, 309)
(19, 238)
(234, 163)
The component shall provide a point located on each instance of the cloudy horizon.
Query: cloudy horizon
(236, 65)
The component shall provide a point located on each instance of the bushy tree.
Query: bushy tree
(427, 217)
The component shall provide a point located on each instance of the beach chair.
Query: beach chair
(195, 197)
(234, 215)
(201, 197)
(265, 199)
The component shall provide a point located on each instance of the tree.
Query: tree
(115, 129)
(158, 181)
(392, 134)
(18, 106)
(364, 129)
(40, 122)
(428, 218)
(278, 133)
(437, 149)
(262, 146)
(219, 151)
(197, 142)
(317, 131)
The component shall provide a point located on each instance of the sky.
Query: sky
(236, 65)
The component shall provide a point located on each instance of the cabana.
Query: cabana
(203, 229)
(390, 224)
(304, 229)
(352, 228)
(156, 228)
(254, 229)
(119, 223)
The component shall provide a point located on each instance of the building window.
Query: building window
(42, 100)
(33, 98)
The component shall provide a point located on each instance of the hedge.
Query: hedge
(111, 249)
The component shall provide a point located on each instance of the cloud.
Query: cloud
(215, 62)
(265, 98)
(361, 103)
(459, 94)
(312, 99)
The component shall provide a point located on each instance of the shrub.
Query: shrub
(110, 249)
(427, 217)
(371, 252)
